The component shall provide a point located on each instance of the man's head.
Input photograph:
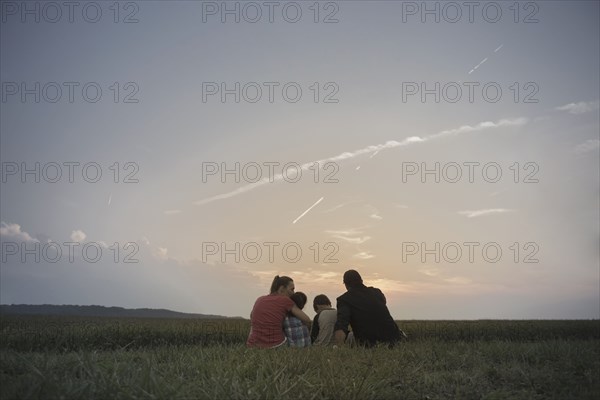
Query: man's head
(352, 279)
(320, 302)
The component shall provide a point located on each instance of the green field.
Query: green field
(115, 358)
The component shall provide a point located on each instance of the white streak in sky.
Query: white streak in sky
(478, 65)
(309, 208)
(484, 60)
(369, 149)
(480, 213)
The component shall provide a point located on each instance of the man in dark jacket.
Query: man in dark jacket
(364, 308)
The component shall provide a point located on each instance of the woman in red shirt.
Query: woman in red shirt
(269, 311)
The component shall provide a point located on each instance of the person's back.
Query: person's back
(322, 333)
(364, 308)
(267, 316)
(325, 321)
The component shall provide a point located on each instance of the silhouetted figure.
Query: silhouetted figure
(364, 309)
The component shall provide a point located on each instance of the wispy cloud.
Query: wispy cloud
(352, 235)
(580, 108)
(346, 232)
(161, 253)
(364, 255)
(459, 280)
(429, 271)
(353, 240)
(480, 213)
(479, 127)
(13, 231)
(587, 146)
(367, 150)
(373, 212)
(78, 236)
(337, 207)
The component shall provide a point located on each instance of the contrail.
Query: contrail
(374, 154)
(109, 199)
(309, 208)
(484, 60)
(366, 150)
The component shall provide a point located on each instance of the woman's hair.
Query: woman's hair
(280, 281)
(321, 300)
(299, 298)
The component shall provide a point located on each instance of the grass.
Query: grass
(153, 361)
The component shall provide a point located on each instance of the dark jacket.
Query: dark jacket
(364, 309)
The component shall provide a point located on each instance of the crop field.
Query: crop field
(117, 358)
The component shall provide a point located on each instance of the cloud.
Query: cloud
(354, 240)
(347, 232)
(373, 212)
(348, 236)
(479, 127)
(78, 236)
(13, 231)
(367, 150)
(479, 213)
(363, 255)
(429, 271)
(161, 253)
(579, 108)
(459, 280)
(332, 209)
(587, 146)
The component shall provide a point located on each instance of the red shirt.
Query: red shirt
(267, 320)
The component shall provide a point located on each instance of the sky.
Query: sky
(180, 154)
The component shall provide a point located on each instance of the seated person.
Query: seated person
(268, 313)
(324, 322)
(364, 308)
(295, 331)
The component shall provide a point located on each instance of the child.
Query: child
(324, 322)
(295, 331)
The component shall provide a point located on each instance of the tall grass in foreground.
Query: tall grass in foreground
(421, 370)
(31, 333)
(116, 358)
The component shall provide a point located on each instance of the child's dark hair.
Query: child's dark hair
(300, 299)
(321, 300)
(280, 281)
